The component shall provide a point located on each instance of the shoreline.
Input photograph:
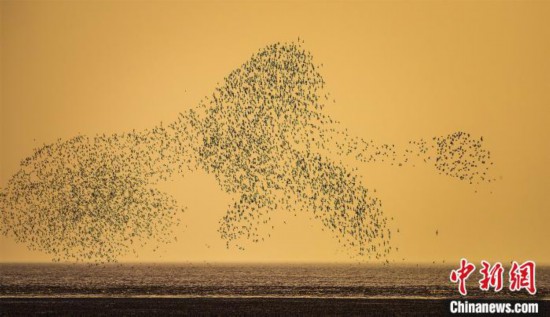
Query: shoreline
(271, 297)
(233, 306)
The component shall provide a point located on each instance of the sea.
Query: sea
(245, 280)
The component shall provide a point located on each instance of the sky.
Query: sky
(398, 71)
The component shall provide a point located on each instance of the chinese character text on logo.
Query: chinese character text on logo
(523, 276)
(492, 276)
(462, 274)
(520, 276)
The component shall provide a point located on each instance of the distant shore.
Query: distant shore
(228, 306)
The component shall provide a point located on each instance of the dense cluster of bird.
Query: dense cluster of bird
(91, 198)
(262, 133)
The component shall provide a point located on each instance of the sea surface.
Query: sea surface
(330, 281)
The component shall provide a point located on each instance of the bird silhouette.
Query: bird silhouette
(262, 133)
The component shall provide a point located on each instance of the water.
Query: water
(245, 281)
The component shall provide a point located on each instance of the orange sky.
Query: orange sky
(398, 71)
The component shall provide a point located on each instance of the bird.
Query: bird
(266, 138)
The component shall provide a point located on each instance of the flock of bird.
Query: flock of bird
(262, 134)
